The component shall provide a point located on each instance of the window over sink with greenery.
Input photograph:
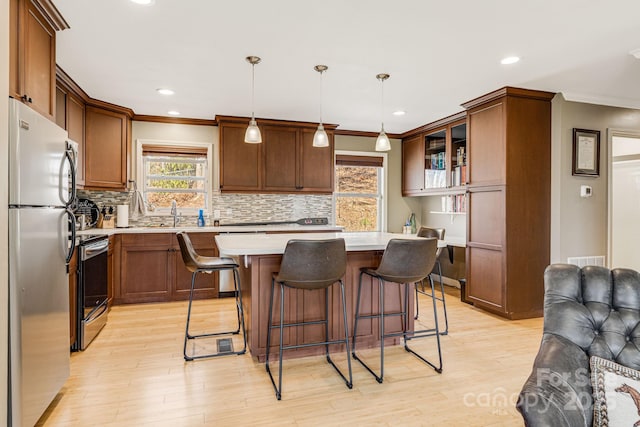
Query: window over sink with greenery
(177, 172)
(359, 179)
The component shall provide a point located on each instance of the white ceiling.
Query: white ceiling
(439, 55)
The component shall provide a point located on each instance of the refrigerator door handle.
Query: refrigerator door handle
(70, 155)
(72, 245)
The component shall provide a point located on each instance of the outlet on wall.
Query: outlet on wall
(229, 212)
(216, 213)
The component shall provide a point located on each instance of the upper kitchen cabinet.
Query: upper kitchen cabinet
(70, 115)
(285, 162)
(508, 205)
(107, 142)
(434, 158)
(32, 53)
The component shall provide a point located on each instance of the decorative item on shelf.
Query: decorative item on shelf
(412, 223)
(320, 138)
(252, 135)
(586, 153)
(382, 143)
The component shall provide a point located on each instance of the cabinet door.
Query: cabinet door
(413, 165)
(487, 145)
(106, 142)
(39, 53)
(146, 268)
(316, 164)
(280, 158)
(75, 127)
(240, 163)
(73, 296)
(14, 49)
(206, 285)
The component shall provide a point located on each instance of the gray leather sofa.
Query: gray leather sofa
(591, 311)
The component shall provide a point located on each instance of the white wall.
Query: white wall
(4, 238)
(579, 225)
(454, 225)
(398, 208)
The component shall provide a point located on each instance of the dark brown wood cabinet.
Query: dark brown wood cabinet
(430, 158)
(285, 162)
(151, 269)
(107, 142)
(32, 53)
(73, 296)
(508, 218)
(70, 115)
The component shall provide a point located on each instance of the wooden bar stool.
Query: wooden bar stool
(438, 233)
(202, 264)
(405, 261)
(309, 265)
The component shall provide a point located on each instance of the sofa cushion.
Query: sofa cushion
(616, 393)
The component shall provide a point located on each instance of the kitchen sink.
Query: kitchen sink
(161, 225)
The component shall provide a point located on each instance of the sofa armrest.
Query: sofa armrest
(558, 391)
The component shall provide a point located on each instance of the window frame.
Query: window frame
(209, 184)
(382, 186)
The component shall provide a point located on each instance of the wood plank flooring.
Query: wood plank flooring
(134, 374)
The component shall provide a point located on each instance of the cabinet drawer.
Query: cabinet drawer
(199, 240)
(148, 239)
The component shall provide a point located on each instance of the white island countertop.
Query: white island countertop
(274, 244)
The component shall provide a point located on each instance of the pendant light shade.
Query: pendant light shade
(320, 138)
(253, 135)
(382, 143)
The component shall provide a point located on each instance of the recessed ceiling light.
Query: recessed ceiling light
(143, 2)
(173, 113)
(509, 60)
(635, 52)
(164, 91)
(399, 113)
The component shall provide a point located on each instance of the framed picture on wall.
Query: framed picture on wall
(586, 152)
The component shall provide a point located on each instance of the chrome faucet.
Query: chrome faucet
(174, 213)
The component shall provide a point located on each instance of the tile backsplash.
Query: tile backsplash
(234, 208)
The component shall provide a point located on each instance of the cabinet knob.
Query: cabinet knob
(26, 98)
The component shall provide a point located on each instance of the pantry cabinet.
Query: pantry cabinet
(508, 218)
(32, 53)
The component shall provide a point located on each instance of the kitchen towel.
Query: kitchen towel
(137, 205)
(122, 216)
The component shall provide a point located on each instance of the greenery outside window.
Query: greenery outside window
(175, 172)
(359, 191)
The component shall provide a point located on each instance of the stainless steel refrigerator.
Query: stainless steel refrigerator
(41, 177)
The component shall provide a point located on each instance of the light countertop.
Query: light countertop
(292, 228)
(274, 244)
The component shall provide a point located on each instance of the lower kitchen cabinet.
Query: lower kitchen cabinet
(151, 269)
(73, 296)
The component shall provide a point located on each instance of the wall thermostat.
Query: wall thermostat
(586, 191)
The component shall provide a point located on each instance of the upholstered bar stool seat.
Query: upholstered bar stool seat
(405, 262)
(309, 265)
(196, 263)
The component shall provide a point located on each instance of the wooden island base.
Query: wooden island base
(256, 272)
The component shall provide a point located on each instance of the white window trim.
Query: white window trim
(139, 172)
(383, 184)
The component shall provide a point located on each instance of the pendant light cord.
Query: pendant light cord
(382, 102)
(321, 92)
(253, 72)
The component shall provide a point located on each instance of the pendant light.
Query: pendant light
(320, 138)
(252, 135)
(382, 143)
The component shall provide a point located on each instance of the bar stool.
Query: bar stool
(405, 261)
(438, 233)
(202, 264)
(309, 265)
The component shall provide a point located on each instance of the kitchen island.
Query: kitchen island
(259, 256)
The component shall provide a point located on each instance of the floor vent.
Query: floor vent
(582, 261)
(225, 345)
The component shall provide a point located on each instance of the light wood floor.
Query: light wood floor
(133, 374)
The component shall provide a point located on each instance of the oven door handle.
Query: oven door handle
(95, 249)
(97, 312)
